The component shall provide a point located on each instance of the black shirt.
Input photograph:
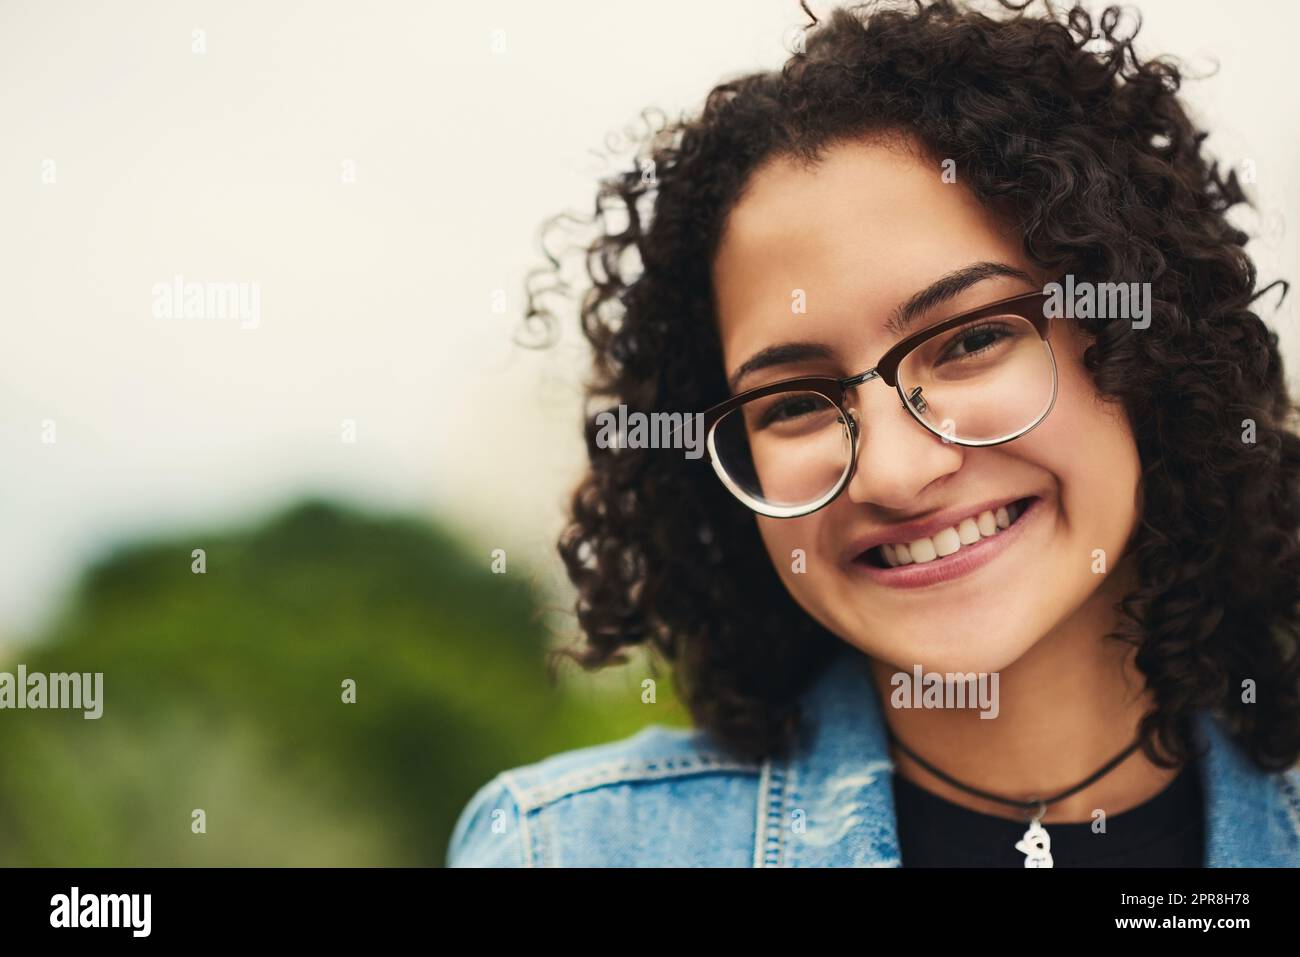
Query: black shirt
(1166, 831)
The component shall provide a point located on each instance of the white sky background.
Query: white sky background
(376, 296)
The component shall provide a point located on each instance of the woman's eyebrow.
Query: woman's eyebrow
(783, 354)
(948, 287)
(938, 292)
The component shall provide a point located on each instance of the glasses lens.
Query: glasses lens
(784, 451)
(982, 382)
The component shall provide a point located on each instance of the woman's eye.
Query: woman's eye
(972, 342)
(787, 409)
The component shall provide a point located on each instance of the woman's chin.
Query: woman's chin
(951, 651)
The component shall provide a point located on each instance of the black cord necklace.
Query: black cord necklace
(1036, 845)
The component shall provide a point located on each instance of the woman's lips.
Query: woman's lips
(962, 562)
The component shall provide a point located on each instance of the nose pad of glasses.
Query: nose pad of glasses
(917, 400)
(853, 422)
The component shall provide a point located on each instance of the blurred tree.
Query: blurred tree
(223, 692)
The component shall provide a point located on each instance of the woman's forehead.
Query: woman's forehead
(810, 248)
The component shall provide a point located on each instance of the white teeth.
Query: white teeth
(950, 540)
(946, 542)
(922, 551)
(968, 531)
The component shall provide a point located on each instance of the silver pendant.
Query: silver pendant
(1036, 845)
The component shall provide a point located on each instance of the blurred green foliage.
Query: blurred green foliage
(223, 691)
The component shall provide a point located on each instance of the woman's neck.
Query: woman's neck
(1065, 708)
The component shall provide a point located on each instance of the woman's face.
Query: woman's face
(862, 233)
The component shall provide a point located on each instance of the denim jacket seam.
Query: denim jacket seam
(537, 796)
(770, 815)
(1290, 786)
(525, 835)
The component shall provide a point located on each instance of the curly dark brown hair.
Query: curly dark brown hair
(1056, 122)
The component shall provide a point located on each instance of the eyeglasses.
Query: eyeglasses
(980, 378)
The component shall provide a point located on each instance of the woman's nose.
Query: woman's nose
(898, 458)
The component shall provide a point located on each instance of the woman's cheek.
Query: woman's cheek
(791, 547)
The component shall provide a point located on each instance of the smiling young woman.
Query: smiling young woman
(918, 467)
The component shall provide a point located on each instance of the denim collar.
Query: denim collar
(834, 799)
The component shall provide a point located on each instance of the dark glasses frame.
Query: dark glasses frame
(1028, 306)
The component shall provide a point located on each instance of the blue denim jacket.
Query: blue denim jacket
(670, 798)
